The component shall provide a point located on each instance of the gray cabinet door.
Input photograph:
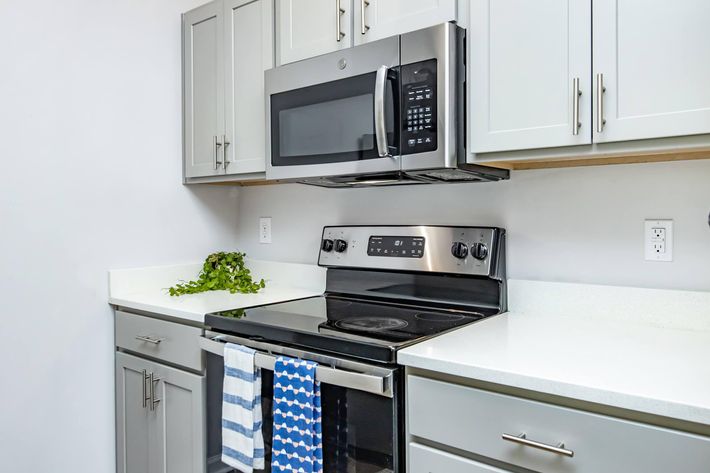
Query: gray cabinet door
(377, 19)
(526, 61)
(249, 51)
(132, 416)
(179, 421)
(203, 94)
(653, 58)
(308, 28)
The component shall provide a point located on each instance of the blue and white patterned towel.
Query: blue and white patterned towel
(242, 439)
(298, 438)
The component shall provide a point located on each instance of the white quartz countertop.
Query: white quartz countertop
(146, 288)
(639, 349)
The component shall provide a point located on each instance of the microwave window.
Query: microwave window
(335, 126)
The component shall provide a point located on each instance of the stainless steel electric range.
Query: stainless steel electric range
(387, 287)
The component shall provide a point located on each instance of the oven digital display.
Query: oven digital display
(396, 246)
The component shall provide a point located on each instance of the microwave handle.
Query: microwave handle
(371, 383)
(380, 124)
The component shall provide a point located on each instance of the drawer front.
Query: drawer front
(168, 341)
(428, 460)
(475, 421)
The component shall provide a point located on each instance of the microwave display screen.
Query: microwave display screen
(396, 246)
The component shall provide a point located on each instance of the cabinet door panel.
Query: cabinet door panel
(308, 28)
(180, 420)
(423, 459)
(203, 88)
(523, 59)
(654, 57)
(249, 38)
(132, 419)
(383, 18)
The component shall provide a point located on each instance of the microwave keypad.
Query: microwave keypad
(419, 107)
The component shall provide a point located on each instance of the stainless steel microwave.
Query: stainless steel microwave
(387, 112)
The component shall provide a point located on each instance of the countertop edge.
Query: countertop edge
(642, 404)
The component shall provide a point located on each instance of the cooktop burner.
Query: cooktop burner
(371, 324)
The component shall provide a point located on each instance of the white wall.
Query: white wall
(576, 224)
(90, 164)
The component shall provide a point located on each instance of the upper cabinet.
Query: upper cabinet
(531, 84)
(377, 19)
(653, 60)
(308, 28)
(529, 74)
(249, 41)
(203, 93)
(227, 46)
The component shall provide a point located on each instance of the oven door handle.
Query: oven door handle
(380, 384)
(383, 73)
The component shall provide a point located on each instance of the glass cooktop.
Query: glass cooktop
(349, 326)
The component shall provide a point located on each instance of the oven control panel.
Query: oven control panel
(419, 107)
(396, 246)
(457, 250)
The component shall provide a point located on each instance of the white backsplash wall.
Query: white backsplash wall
(90, 146)
(573, 224)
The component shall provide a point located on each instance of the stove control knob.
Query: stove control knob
(340, 246)
(479, 251)
(327, 245)
(459, 250)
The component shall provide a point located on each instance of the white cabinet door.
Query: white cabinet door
(523, 60)
(654, 59)
(249, 52)
(308, 28)
(203, 94)
(377, 19)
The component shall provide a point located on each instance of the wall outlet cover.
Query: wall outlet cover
(658, 240)
(264, 229)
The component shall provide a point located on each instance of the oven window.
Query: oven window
(361, 431)
(329, 123)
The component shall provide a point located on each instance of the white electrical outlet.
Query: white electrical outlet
(658, 240)
(265, 230)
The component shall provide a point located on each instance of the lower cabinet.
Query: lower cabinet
(537, 436)
(423, 459)
(159, 418)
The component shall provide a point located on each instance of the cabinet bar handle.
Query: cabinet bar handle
(215, 148)
(363, 27)
(576, 94)
(339, 35)
(523, 440)
(225, 143)
(145, 338)
(145, 394)
(600, 103)
(153, 400)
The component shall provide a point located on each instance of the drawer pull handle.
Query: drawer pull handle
(145, 338)
(523, 440)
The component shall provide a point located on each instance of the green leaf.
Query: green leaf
(221, 271)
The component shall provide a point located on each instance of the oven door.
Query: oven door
(334, 115)
(361, 409)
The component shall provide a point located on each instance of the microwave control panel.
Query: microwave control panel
(419, 107)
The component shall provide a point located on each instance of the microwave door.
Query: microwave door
(338, 122)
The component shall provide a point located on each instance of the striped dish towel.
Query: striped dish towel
(242, 440)
(298, 438)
